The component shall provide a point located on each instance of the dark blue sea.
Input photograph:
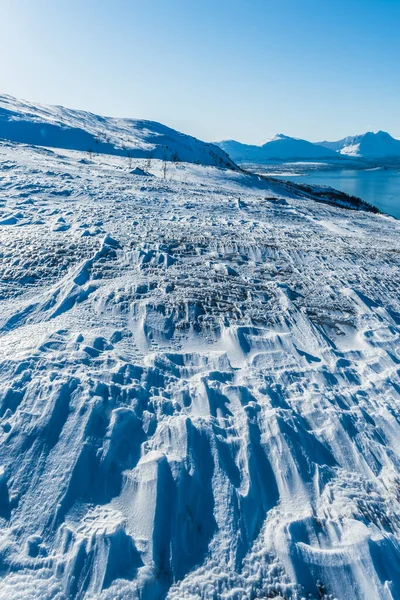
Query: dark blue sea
(380, 187)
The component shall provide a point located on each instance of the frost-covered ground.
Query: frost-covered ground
(199, 386)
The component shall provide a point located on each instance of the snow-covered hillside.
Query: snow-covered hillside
(280, 147)
(367, 145)
(199, 385)
(55, 126)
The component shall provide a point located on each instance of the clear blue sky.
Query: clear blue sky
(218, 69)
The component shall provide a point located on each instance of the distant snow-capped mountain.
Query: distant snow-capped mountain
(55, 126)
(366, 145)
(280, 147)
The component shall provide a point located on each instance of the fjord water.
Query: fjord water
(380, 187)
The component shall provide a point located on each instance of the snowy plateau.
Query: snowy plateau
(199, 374)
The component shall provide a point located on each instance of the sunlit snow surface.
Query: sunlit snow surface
(199, 386)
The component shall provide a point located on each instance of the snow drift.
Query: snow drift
(199, 385)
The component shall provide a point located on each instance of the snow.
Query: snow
(199, 384)
(279, 147)
(59, 127)
(367, 145)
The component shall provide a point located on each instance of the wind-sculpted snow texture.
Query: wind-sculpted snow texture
(200, 386)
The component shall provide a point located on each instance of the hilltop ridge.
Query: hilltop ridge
(59, 127)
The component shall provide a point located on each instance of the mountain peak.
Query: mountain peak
(278, 136)
(279, 147)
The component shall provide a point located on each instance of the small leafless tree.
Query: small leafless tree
(148, 162)
(129, 155)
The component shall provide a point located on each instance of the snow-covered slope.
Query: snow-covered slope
(199, 385)
(58, 127)
(280, 147)
(367, 145)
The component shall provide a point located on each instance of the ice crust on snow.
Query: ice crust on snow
(199, 385)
